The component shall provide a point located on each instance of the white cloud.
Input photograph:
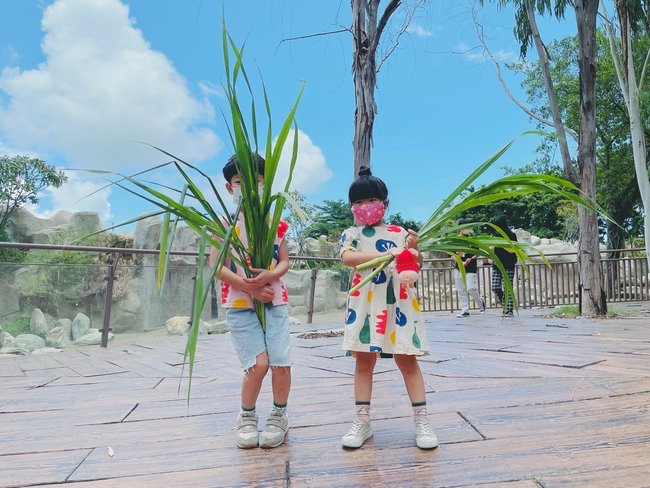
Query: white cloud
(100, 88)
(478, 56)
(418, 30)
(76, 195)
(311, 170)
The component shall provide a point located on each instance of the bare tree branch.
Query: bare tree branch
(381, 25)
(506, 88)
(307, 36)
(405, 25)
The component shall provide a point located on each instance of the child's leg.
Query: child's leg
(277, 345)
(363, 370)
(361, 429)
(248, 340)
(414, 382)
(252, 382)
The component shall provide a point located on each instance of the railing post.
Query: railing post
(312, 292)
(108, 300)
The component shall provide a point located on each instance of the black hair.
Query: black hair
(230, 168)
(502, 223)
(367, 186)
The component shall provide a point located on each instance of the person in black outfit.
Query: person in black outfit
(509, 260)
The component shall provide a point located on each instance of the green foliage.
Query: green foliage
(440, 233)
(616, 188)
(397, 219)
(56, 276)
(538, 214)
(330, 219)
(21, 179)
(9, 255)
(260, 207)
(17, 325)
(299, 221)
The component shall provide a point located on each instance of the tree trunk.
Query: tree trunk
(592, 299)
(560, 131)
(367, 28)
(365, 78)
(636, 122)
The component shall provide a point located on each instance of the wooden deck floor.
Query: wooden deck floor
(518, 403)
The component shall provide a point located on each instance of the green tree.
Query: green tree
(616, 188)
(331, 218)
(299, 225)
(582, 169)
(397, 219)
(21, 180)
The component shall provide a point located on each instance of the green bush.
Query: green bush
(16, 326)
(9, 255)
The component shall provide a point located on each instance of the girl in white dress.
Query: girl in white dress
(383, 317)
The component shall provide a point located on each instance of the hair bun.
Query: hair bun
(364, 171)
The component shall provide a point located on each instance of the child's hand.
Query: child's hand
(395, 251)
(263, 294)
(263, 277)
(412, 239)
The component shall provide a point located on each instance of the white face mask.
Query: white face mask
(236, 194)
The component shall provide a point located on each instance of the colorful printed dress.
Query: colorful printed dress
(384, 315)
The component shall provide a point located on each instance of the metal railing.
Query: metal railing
(625, 278)
(535, 284)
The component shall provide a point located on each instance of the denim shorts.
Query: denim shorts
(250, 341)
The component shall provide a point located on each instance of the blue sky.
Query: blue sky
(80, 80)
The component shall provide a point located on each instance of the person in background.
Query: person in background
(470, 284)
(509, 260)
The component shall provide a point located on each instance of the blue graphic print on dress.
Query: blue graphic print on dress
(380, 278)
(383, 245)
(375, 349)
(276, 252)
(400, 318)
(351, 316)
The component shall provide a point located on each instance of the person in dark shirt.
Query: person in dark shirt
(509, 260)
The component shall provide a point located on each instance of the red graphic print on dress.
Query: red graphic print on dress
(403, 292)
(394, 228)
(285, 295)
(382, 320)
(225, 291)
(355, 281)
(282, 229)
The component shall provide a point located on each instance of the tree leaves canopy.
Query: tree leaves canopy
(21, 180)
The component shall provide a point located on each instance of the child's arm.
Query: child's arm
(262, 293)
(265, 276)
(412, 240)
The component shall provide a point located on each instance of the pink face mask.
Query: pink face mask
(368, 213)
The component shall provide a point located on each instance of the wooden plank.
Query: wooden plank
(86, 365)
(9, 367)
(21, 470)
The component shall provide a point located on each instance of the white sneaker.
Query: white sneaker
(424, 436)
(358, 434)
(275, 430)
(247, 435)
(463, 315)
